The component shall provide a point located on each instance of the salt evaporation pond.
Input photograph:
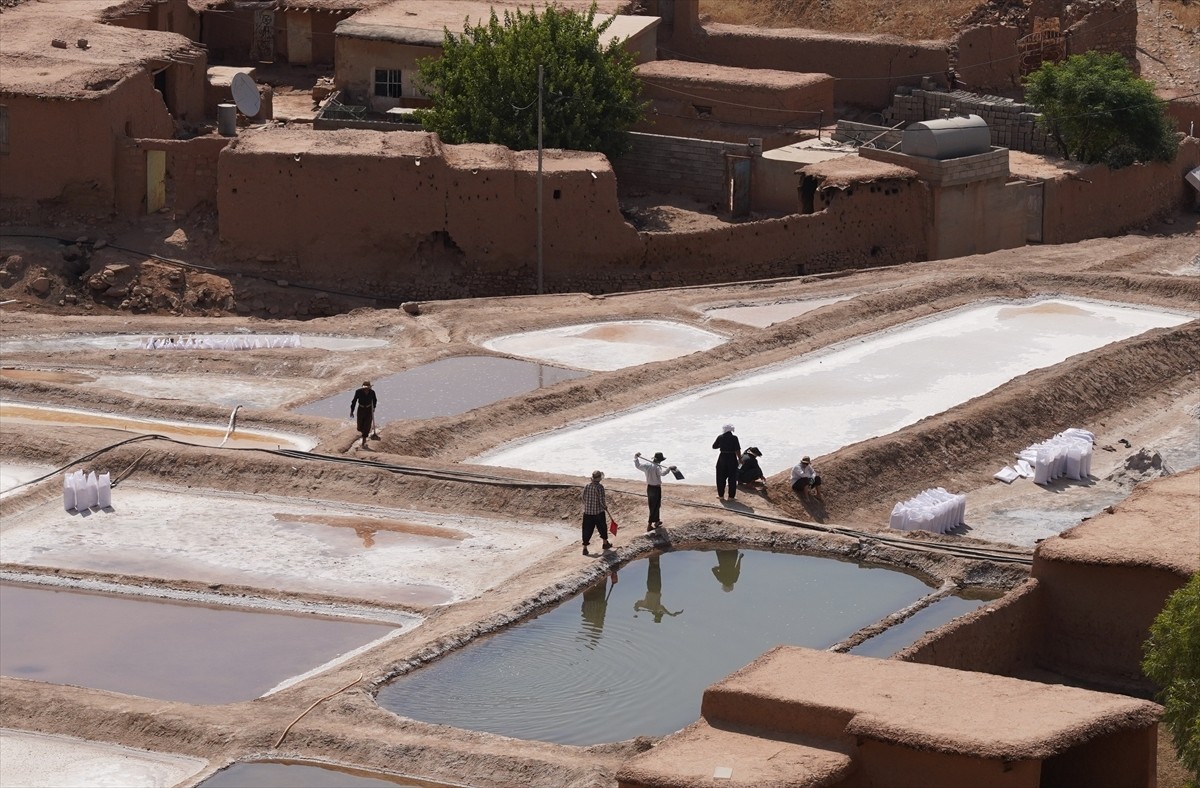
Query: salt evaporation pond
(165, 650)
(296, 774)
(763, 315)
(38, 759)
(910, 630)
(608, 346)
(446, 387)
(200, 434)
(238, 341)
(370, 553)
(633, 657)
(870, 386)
(13, 475)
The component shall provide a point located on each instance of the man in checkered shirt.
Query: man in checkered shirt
(595, 510)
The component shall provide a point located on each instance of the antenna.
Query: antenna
(245, 94)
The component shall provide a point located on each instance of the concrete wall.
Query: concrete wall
(980, 217)
(64, 150)
(1098, 201)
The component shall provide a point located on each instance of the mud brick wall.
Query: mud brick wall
(1013, 124)
(1106, 26)
(1097, 201)
(987, 58)
(677, 165)
(1000, 638)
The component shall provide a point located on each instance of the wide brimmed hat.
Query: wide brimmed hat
(658, 456)
(754, 450)
(597, 475)
(367, 384)
(805, 460)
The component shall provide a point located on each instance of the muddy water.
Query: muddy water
(293, 774)
(764, 315)
(164, 650)
(201, 434)
(446, 387)
(632, 655)
(912, 629)
(608, 346)
(816, 404)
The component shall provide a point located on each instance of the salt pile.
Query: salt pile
(221, 343)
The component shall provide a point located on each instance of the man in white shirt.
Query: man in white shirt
(805, 479)
(655, 471)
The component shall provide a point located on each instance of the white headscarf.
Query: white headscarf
(727, 428)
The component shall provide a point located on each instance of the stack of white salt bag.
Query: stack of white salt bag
(935, 510)
(1069, 454)
(86, 492)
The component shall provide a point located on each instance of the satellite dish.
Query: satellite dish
(245, 94)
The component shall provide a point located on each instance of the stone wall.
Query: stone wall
(1102, 24)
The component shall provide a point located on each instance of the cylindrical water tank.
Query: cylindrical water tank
(947, 138)
(227, 120)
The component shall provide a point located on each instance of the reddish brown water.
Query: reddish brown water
(165, 650)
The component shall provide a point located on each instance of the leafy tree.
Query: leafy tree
(1173, 662)
(1096, 109)
(484, 87)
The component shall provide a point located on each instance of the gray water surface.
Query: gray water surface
(164, 650)
(446, 387)
(633, 654)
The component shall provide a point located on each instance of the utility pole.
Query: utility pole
(540, 288)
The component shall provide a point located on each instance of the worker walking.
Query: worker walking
(655, 471)
(595, 509)
(365, 401)
(730, 449)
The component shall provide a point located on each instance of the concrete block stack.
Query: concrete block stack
(1013, 125)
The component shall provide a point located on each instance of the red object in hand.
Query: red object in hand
(612, 526)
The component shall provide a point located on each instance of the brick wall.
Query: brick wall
(947, 172)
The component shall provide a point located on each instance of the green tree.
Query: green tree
(484, 87)
(1173, 662)
(1096, 109)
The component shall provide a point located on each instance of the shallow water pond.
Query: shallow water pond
(293, 774)
(633, 654)
(446, 387)
(165, 650)
(913, 628)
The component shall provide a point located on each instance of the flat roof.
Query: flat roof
(1157, 526)
(810, 151)
(31, 65)
(927, 707)
(422, 22)
(708, 73)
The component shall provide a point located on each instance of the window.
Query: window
(387, 82)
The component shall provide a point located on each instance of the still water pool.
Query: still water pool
(632, 654)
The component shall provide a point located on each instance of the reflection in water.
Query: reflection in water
(652, 602)
(595, 605)
(636, 677)
(728, 568)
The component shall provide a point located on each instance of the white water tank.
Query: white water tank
(947, 138)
